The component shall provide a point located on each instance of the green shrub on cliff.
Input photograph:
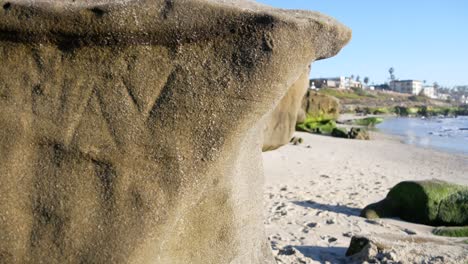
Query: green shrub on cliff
(382, 111)
(406, 111)
(429, 111)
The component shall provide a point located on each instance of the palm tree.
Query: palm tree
(392, 71)
(366, 80)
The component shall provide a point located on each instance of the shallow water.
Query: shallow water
(447, 134)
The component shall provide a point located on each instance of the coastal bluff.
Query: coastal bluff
(130, 131)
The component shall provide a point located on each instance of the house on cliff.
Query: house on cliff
(343, 83)
(407, 86)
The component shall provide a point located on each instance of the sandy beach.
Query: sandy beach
(314, 193)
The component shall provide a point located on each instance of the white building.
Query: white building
(350, 83)
(336, 82)
(443, 96)
(407, 86)
(341, 82)
(429, 91)
(464, 99)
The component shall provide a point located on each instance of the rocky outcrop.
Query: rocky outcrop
(319, 107)
(425, 202)
(281, 123)
(391, 249)
(358, 133)
(129, 130)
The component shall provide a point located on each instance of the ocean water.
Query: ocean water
(446, 134)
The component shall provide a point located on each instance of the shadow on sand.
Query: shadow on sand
(340, 209)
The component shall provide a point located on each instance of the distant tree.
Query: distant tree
(358, 78)
(352, 77)
(436, 85)
(391, 71)
(366, 80)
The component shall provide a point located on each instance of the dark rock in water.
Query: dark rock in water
(426, 202)
(339, 133)
(358, 133)
(129, 130)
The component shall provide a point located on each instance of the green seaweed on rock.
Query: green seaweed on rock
(369, 121)
(454, 231)
(426, 202)
(316, 125)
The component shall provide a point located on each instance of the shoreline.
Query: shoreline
(314, 193)
(404, 139)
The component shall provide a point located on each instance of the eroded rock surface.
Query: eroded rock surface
(281, 123)
(129, 130)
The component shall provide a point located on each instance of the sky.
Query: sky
(424, 40)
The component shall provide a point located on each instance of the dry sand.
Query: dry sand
(314, 193)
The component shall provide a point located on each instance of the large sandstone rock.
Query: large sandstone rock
(114, 141)
(293, 109)
(281, 123)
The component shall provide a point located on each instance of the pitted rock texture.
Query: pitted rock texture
(129, 130)
(281, 123)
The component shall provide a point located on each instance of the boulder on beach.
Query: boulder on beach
(130, 130)
(390, 248)
(339, 133)
(433, 202)
(319, 107)
(358, 133)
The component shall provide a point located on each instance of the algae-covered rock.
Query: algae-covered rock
(318, 107)
(339, 133)
(130, 130)
(426, 202)
(453, 231)
(317, 127)
(368, 121)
